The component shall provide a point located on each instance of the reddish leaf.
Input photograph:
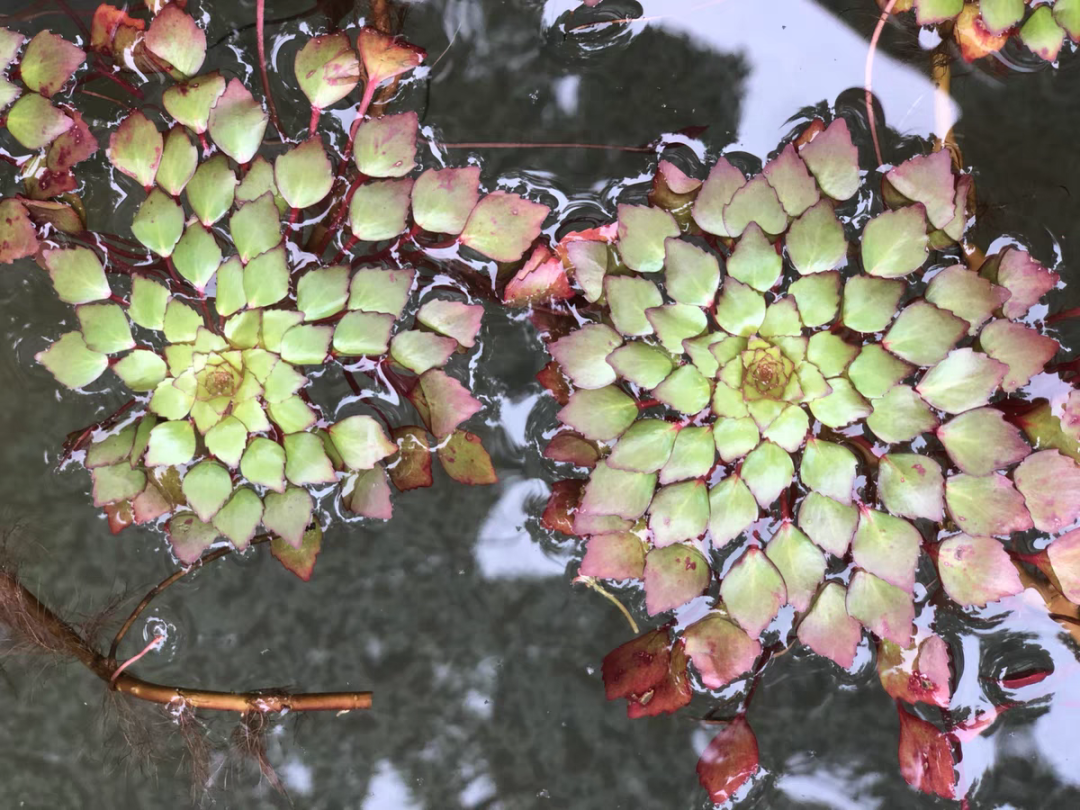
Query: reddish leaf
(974, 38)
(637, 666)
(729, 760)
(918, 673)
(551, 377)
(558, 514)
(673, 576)
(572, 448)
(669, 695)
(448, 402)
(926, 757)
(542, 278)
(301, 561)
(385, 57)
(48, 62)
(720, 649)
(503, 225)
(106, 24)
(18, 238)
(411, 467)
(617, 555)
(120, 515)
(465, 460)
(369, 494)
(74, 146)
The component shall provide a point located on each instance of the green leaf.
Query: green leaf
(830, 524)
(828, 630)
(1050, 484)
(303, 174)
(116, 483)
(1064, 556)
(237, 122)
(255, 227)
(211, 192)
(842, 407)
(781, 319)
(692, 275)
(240, 517)
(159, 223)
(442, 199)
(170, 402)
(966, 294)
(306, 345)
(601, 415)
(642, 236)
(640, 363)
(875, 371)
(755, 261)
(789, 429)
(583, 353)
(35, 123)
(645, 447)
(197, 255)
(901, 415)
(884, 609)
(465, 460)
(227, 439)
(206, 487)
(675, 323)
(190, 103)
(380, 209)
(181, 323)
(174, 37)
(911, 485)
(833, 160)
(178, 161)
(361, 442)
(1066, 13)
(1023, 350)
(673, 576)
(292, 415)
(753, 591)
(829, 469)
(361, 334)
(887, 547)
(141, 370)
(376, 290)
(830, 353)
(449, 402)
(111, 449)
(964, 380)
(323, 292)
(454, 319)
(287, 514)
(815, 241)
(617, 492)
(928, 12)
(306, 461)
(71, 362)
(793, 184)
(259, 180)
(628, 298)
(189, 537)
(171, 444)
(242, 330)
(1042, 34)
(735, 438)
(502, 226)
(739, 309)
(48, 62)
(77, 275)
(818, 297)
(230, 297)
(799, 562)
(986, 505)
(976, 570)
(768, 470)
(894, 244)
(386, 146)
(755, 202)
(981, 441)
(870, 303)
(732, 509)
(368, 494)
(263, 463)
(686, 389)
(928, 179)
(327, 69)
(136, 148)
(679, 512)
(691, 457)
(924, 334)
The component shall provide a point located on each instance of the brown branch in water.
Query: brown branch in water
(37, 626)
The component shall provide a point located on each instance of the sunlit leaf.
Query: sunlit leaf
(237, 122)
(964, 380)
(887, 547)
(884, 609)
(190, 103)
(692, 275)
(303, 174)
(411, 468)
(1023, 350)
(755, 202)
(720, 650)
(1050, 484)
(171, 444)
(174, 37)
(1041, 33)
(368, 334)
(928, 179)
(380, 209)
(287, 514)
(1064, 557)
(502, 226)
(1026, 280)
(449, 402)
(376, 290)
(673, 576)
(753, 591)
(159, 223)
(327, 69)
(323, 292)
(833, 160)
(628, 298)
(637, 362)
(828, 630)
(679, 512)
(911, 485)
(255, 227)
(828, 469)
(894, 244)
(263, 463)
(465, 460)
(966, 294)
(618, 492)
(924, 334)
(986, 505)
(386, 146)
(71, 362)
(385, 57)
(716, 192)
(602, 414)
(793, 184)
(870, 303)
(442, 199)
(901, 415)
(211, 191)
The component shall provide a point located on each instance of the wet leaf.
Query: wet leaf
(237, 122)
(800, 563)
(18, 238)
(618, 492)
(449, 402)
(174, 37)
(754, 261)
(306, 461)
(386, 146)
(502, 226)
(901, 415)
(619, 555)
(159, 223)
(71, 362)
(976, 570)
(637, 666)
(572, 448)
(179, 160)
(35, 123)
(1026, 280)
(719, 650)
(728, 761)
(442, 199)
(828, 469)
(211, 191)
(679, 512)
(323, 292)
(642, 235)
(48, 62)
(74, 146)
(753, 591)
(116, 483)
(894, 244)
(1023, 350)
(828, 630)
(691, 276)
(411, 469)
(377, 290)
(981, 441)
(465, 460)
(207, 486)
(884, 609)
(1042, 34)
(136, 148)
(560, 513)
(887, 547)
(301, 561)
(673, 576)
(263, 463)
(227, 440)
(924, 334)
(926, 759)
(369, 494)
(829, 523)
(928, 12)
(732, 509)
(455, 319)
(189, 537)
(911, 485)
(385, 57)
(327, 69)
(639, 363)
(874, 372)
(171, 444)
(716, 192)
(1050, 484)
(928, 179)
(418, 351)
(815, 241)
(287, 514)
(841, 407)
(966, 294)
(541, 278)
(793, 184)
(964, 380)
(756, 202)
(379, 210)
(870, 303)
(817, 296)
(833, 160)
(986, 505)
(628, 299)
(645, 446)
(303, 175)
(1064, 556)
(190, 103)
(602, 414)
(916, 673)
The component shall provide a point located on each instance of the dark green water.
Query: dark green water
(459, 614)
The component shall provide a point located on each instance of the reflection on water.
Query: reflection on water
(460, 614)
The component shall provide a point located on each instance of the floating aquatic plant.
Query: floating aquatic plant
(791, 389)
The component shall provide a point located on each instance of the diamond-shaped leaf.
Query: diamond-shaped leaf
(171, 444)
(77, 275)
(287, 514)
(716, 192)
(323, 292)
(206, 487)
(756, 202)
(190, 103)
(642, 235)
(71, 362)
(928, 179)
(442, 199)
(911, 485)
(1026, 280)
(679, 512)
(830, 524)
(793, 184)
(887, 547)
(303, 175)
(901, 415)
(211, 191)
(175, 37)
(828, 630)
(964, 380)
(379, 210)
(377, 290)
(753, 591)
(986, 505)
(1023, 350)
(815, 241)
(197, 256)
(628, 299)
(503, 225)
(800, 563)
(894, 243)
(1050, 484)
(728, 761)
(924, 334)
(692, 275)
(1042, 34)
(829, 469)
(35, 123)
(263, 463)
(818, 297)
(833, 160)
(720, 650)
(189, 536)
(619, 555)
(875, 371)
(870, 303)
(449, 402)
(884, 609)
(732, 509)
(327, 69)
(966, 294)
(976, 570)
(767, 471)
(981, 441)
(179, 159)
(159, 223)
(618, 492)
(386, 146)
(240, 517)
(1064, 556)
(237, 122)
(841, 407)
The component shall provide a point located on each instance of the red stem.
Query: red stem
(260, 24)
(339, 215)
(642, 404)
(885, 12)
(1064, 315)
(118, 300)
(349, 245)
(155, 643)
(313, 125)
(530, 145)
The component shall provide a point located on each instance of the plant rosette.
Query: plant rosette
(791, 390)
(984, 27)
(216, 330)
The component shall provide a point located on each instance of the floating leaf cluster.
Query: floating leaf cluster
(230, 311)
(984, 27)
(792, 392)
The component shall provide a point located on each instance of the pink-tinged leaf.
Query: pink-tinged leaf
(175, 37)
(637, 666)
(986, 505)
(559, 512)
(974, 727)
(411, 467)
(448, 401)
(964, 380)
(720, 650)
(883, 609)
(572, 448)
(583, 355)
(1023, 350)
(972, 35)
(301, 561)
(642, 233)
(916, 673)
(1026, 280)
(756, 202)
(729, 760)
(928, 179)
(791, 181)
(369, 495)
(1064, 556)
(966, 294)
(911, 486)
(551, 377)
(454, 319)
(677, 180)
(149, 505)
(720, 186)
(386, 57)
(35, 123)
(833, 160)
(602, 414)
(327, 69)
(442, 199)
(828, 630)
(887, 547)
(981, 441)
(18, 237)
(386, 146)
(542, 278)
(48, 62)
(237, 122)
(926, 758)
(503, 225)
(74, 146)
(586, 525)
(189, 536)
(1050, 484)
(465, 460)
(800, 563)
(673, 576)
(119, 515)
(618, 555)
(753, 591)
(42, 183)
(135, 148)
(976, 570)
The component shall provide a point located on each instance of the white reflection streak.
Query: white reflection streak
(387, 790)
(504, 547)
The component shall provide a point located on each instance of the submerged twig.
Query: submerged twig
(884, 18)
(260, 25)
(592, 583)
